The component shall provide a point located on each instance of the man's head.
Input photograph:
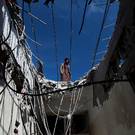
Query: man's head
(66, 61)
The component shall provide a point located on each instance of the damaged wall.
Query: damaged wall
(9, 101)
(112, 110)
(23, 58)
(116, 115)
(118, 60)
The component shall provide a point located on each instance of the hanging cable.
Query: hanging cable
(41, 126)
(20, 112)
(109, 25)
(28, 37)
(51, 103)
(55, 113)
(5, 87)
(71, 32)
(55, 41)
(1, 98)
(23, 11)
(70, 109)
(23, 123)
(33, 30)
(84, 14)
(33, 16)
(12, 109)
(3, 110)
(10, 28)
(89, 2)
(58, 115)
(101, 29)
(74, 109)
(103, 4)
(45, 115)
(2, 107)
(36, 118)
(34, 34)
(41, 114)
(106, 38)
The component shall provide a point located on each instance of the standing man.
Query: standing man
(65, 71)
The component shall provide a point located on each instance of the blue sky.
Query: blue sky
(83, 45)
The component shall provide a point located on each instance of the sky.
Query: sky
(83, 45)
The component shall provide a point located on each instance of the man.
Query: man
(65, 71)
